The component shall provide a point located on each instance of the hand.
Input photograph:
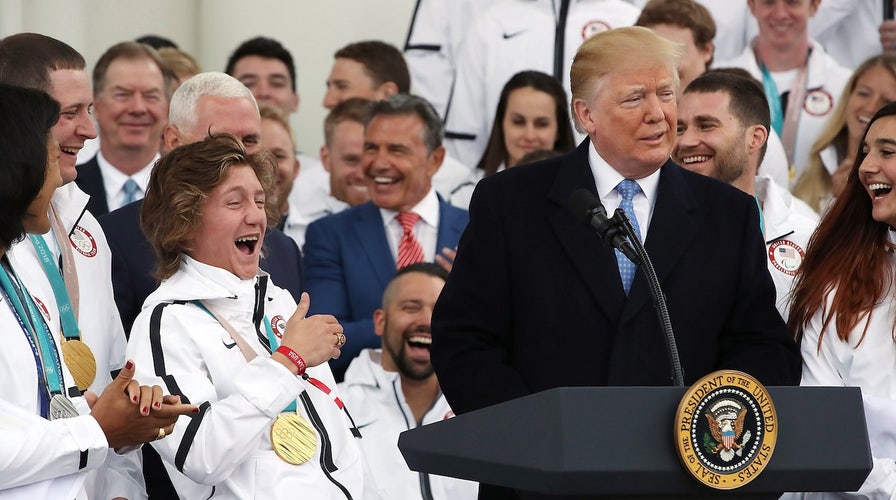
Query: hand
(314, 338)
(839, 177)
(887, 32)
(446, 259)
(131, 414)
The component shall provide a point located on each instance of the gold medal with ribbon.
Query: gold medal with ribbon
(80, 361)
(293, 438)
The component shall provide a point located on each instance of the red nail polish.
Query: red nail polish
(145, 410)
(157, 405)
(196, 410)
(135, 399)
(129, 364)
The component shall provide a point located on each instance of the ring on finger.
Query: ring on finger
(161, 433)
(340, 339)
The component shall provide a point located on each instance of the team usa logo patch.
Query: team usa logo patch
(83, 241)
(594, 27)
(278, 325)
(819, 102)
(725, 429)
(786, 256)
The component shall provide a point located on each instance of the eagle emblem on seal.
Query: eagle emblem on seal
(726, 424)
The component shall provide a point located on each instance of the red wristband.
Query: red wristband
(294, 357)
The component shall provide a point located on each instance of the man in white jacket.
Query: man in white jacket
(723, 122)
(394, 388)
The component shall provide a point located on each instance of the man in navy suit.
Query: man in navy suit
(131, 89)
(206, 103)
(536, 299)
(351, 256)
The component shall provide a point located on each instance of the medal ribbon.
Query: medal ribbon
(69, 271)
(46, 357)
(785, 122)
(66, 312)
(249, 354)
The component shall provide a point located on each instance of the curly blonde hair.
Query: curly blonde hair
(180, 183)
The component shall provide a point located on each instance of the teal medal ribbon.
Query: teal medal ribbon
(47, 359)
(761, 217)
(774, 100)
(70, 328)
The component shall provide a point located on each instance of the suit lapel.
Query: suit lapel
(670, 234)
(451, 226)
(371, 233)
(594, 258)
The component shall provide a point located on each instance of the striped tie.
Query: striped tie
(409, 249)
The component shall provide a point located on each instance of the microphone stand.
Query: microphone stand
(659, 299)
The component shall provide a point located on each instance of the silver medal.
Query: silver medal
(62, 407)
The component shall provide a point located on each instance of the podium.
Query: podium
(619, 441)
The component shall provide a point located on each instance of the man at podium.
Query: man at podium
(537, 300)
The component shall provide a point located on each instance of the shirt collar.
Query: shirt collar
(606, 178)
(427, 209)
(114, 179)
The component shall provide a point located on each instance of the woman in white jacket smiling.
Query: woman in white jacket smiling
(229, 340)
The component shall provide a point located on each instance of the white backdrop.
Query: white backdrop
(312, 30)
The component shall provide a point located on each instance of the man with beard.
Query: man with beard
(723, 123)
(393, 389)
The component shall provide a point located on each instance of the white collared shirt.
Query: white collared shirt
(114, 179)
(606, 178)
(426, 230)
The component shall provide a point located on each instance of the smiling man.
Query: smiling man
(130, 93)
(536, 300)
(393, 389)
(723, 124)
(801, 82)
(350, 256)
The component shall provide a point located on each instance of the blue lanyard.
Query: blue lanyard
(46, 357)
(272, 339)
(66, 313)
(774, 100)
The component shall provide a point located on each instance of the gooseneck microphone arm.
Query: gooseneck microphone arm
(619, 232)
(659, 298)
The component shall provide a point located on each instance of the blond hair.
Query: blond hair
(814, 184)
(611, 50)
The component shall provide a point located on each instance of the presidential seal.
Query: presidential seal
(725, 429)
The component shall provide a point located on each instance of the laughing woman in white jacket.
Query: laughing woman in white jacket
(220, 332)
(843, 308)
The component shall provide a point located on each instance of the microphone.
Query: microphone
(587, 208)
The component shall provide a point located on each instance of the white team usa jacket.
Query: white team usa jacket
(225, 450)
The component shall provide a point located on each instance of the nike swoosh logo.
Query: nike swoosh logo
(515, 33)
(229, 346)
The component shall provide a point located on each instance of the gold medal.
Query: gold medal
(293, 438)
(80, 362)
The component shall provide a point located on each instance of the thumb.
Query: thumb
(125, 375)
(303, 306)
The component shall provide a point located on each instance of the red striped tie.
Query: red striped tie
(409, 249)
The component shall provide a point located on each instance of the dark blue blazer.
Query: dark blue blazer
(534, 300)
(90, 180)
(348, 264)
(133, 261)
